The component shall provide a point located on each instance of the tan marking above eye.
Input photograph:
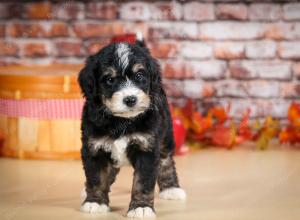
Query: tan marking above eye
(110, 71)
(136, 67)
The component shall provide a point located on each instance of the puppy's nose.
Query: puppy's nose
(130, 101)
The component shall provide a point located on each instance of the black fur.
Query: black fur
(98, 121)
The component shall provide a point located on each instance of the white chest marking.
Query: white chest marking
(118, 152)
(118, 147)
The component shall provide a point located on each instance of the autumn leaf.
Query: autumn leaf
(244, 130)
(269, 130)
(289, 135)
(200, 124)
(223, 136)
(219, 113)
(213, 127)
(294, 114)
(285, 136)
(188, 109)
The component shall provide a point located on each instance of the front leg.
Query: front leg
(145, 173)
(98, 171)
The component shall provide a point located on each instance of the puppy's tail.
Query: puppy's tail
(140, 39)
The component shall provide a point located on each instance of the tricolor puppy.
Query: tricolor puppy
(126, 120)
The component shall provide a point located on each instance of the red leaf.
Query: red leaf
(290, 135)
(188, 109)
(219, 113)
(244, 129)
(294, 114)
(199, 124)
(223, 136)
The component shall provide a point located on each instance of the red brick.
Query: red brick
(196, 50)
(265, 11)
(229, 50)
(231, 88)
(35, 50)
(261, 49)
(102, 10)
(135, 11)
(282, 31)
(263, 89)
(260, 69)
(238, 107)
(95, 45)
(59, 29)
(133, 27)
(177, 101)
(69, 60)
(167, 11)
(291, 11)
(278, 108)
(289, 50)
(296, 30)
(197, 89)
(173, 87)
(231, 11)
(2, 30)
(68, 10)
(206, 69)
(178, 30)
(258, 108)
(4, 13)
(290, 90)
(296, 69)
(163, 49)
(11, 10)
(228, 30)
(69, 48)
(27, 30)
(8, 61)
(38, 10)
(8, 48)
(198, 11)
(174, 69)
(91, 30)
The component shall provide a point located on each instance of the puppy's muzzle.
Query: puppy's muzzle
(130, 101)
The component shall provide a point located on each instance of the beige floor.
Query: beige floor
(220, 185)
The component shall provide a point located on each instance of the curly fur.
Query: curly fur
(148, 136)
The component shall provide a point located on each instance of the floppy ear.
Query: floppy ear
(87, 79)
(155, 76)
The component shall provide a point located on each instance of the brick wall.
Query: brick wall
(212, 51)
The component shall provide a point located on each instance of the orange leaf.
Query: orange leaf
(200, 124)
(219, 113)
(223, 136)
(244, 129)
(290, 135)
(294, 114)
(188, 109)
(284, 136)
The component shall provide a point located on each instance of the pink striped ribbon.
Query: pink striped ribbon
(42, 109)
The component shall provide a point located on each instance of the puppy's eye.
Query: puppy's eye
(109, 81)
(139, 76)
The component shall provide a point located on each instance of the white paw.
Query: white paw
(173, 193)
(94, 207)
(82, 195)
(141, 212)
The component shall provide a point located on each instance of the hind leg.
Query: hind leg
(167, 180)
